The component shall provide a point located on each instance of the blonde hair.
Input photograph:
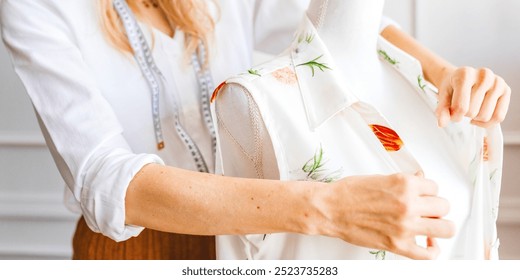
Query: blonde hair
(190, 16)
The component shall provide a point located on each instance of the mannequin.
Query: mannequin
(350, 31)
(357, 22)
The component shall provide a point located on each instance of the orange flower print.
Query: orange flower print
(388, 137)
(485, 154)
(285, 76)
(215, 92)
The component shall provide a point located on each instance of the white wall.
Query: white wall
(35, 225)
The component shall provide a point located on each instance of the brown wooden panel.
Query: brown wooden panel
(149, 245)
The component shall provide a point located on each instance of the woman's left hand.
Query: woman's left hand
(478, 94)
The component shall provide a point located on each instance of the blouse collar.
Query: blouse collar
(324, 93)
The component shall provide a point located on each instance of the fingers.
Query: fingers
(462, 83)
(433, 227)
(478, 94)
(432, 207)
(432, 248)
(502, 107)
(443, 108)
(483, 83)
(490, 101)
(423, 186)
(396, 208)
(499, 113)
(495, 106)
(417, 252)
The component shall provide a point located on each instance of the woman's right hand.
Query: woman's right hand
(387, 213)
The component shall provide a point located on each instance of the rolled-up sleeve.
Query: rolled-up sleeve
(80, 127)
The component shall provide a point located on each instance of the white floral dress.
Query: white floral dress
(322, 131)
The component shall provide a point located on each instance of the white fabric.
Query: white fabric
(301, 114)
(94, 106)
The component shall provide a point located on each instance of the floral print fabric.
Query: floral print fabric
(325, 135)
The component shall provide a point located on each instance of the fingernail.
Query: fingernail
(442, 120)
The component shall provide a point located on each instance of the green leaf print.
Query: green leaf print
(420, 82)
(386, 57)
(301, 37)
(314, 63)
(379, 255)
(314, 168)
(254, 72)
(307, 37)
(492, 175)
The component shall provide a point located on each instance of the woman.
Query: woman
(127, 134)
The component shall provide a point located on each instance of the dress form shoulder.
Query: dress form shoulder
(243, 135)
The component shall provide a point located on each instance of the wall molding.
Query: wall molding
(21, 139)
(47, 211)
(25, 252)
(35, 207)
(509, 211)
(35, 138)
(511, 138)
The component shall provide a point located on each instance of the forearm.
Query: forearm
(384, 212)
(175, 200)
(434, 67)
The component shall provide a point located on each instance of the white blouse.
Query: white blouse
(94, 106)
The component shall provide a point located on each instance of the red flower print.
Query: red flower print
(485, 155)
(215, 92)
(388, 137)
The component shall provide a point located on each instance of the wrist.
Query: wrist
(319, 215)
(302, 215)
(438, 73)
